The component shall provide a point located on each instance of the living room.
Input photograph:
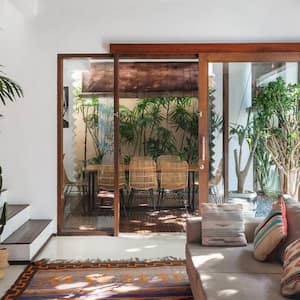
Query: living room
(50, 36)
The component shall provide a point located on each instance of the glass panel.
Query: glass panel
(261, 108)
(158, 143)
(215, 120)
(88, 145)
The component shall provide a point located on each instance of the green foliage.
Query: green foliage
(98, 120)
(3, 218)
(148, 126)
(277, 105)
(1, 180)
(9, 89)
(277, 113)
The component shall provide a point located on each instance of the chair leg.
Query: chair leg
(152, 198)
(130, 199)
(122, 201)
(162, 198)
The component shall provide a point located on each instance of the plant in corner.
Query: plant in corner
(9, 91)
(280, 103)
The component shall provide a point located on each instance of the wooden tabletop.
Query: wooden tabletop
(97, 167)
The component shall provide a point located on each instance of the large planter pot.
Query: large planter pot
(3, 262)
(264, 204)
(247, 195)
(247, 199)
(3, 197)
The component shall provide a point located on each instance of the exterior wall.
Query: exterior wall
(28, 49)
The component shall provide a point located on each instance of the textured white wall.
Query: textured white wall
(28, 49)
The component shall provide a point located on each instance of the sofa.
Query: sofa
(229, 272)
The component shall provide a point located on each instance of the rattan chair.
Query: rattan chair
(106, 184)
(74, 186)
(142, 177)
(167, 158)
(214, 182)
(173, 177)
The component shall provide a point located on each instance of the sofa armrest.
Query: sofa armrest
(193, 230)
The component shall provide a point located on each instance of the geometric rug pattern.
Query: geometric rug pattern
(92, 280)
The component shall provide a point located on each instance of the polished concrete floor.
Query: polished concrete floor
(126, 246)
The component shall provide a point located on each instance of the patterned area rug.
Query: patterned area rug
(165, 280)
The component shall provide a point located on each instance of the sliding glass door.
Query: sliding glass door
(250, 99)
(86, 171)
(158, 141)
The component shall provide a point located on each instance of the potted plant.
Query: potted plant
(9, 90)
(245, 134)
(279, 103)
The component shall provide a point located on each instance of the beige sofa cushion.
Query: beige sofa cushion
(230, 260)
(233, 286)
(218, 273)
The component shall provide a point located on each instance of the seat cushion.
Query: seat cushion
(233, 286)
(271, 233)
(290, 280)
(230, 260)
(231, 273)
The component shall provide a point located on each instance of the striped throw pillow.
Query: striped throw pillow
(271, 233)
(223, 225)
(290, 278)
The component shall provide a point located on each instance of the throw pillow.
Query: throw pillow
(290, 279)
(271, 233)
(223, 225)
(293, 220)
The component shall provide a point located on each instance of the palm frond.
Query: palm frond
(9, 89)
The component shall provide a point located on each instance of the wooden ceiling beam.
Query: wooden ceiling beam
(195, 48)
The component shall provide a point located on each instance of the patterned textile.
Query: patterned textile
(223, 225)
(103, 280)
(290, 279)
(271, 233)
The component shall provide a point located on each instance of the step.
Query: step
(17, 215)
(26, 241)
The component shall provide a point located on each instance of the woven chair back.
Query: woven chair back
(142, 174)
(163, 158)
(173, 175)
(106, 178)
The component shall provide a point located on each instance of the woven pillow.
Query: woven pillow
(290, 278)
(271, 233)
(223, 225)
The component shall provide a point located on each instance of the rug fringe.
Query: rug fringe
(98, 260)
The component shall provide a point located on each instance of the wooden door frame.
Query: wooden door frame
(226, 58)
(213, 52)
(60, 198)
(209, 52)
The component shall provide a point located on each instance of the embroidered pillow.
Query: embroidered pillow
(290, 278)
(223, 225)
(271, 233)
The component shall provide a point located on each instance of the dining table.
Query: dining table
(91, 170)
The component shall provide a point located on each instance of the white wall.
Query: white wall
(28, 49)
